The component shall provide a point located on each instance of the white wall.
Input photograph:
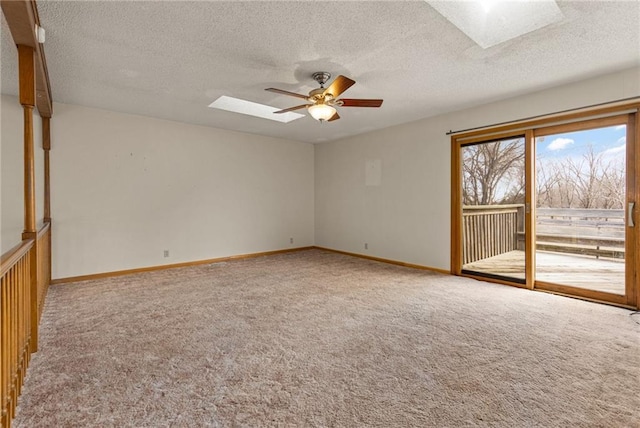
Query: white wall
(11, 173)
(12, 176)
(125, 188)
(407, 217)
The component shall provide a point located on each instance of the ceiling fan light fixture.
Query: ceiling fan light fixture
(321, 112)
(324, 100)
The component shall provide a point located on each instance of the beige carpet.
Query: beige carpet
(317, 339)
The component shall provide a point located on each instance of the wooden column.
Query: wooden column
(46, 145)
(530, 209)
(27, 79)
(456, 208)
(26, 61)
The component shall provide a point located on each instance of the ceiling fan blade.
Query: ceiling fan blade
(338, 86)
(292, 108)
(355, 102)
(283, 92)
(335, 116)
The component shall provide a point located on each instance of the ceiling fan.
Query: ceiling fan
(324, 101)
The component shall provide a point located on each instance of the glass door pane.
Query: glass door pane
(493, 195)
(580, 218)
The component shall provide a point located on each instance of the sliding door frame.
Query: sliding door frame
(630, 297)
(584, 119)
(456, 203)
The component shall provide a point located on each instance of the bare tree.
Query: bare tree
(547, 182)
(591, 181)
(493, 173)
(613, 186)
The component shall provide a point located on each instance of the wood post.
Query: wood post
(27, 80)
(46, 145)
(26, 61)
(530, 209)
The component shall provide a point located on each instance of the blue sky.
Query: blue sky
(610, 141)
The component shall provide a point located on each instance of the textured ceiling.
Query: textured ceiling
(172, 59)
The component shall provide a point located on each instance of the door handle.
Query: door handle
(630, 214)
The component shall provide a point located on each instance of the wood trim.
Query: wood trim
(26, 63)
(231, 258)
(530, 216)
(495, 280)
(34, 281)
(172, 266)
(553, 119)
(630, 233)
(636, 280)
(588, 299)
(46, 145)
(456, 191)
(44, 229)
(585, 293)
(47, 188)
(26, 76)
(22, 17)
(29, 173)
(583, 125)
(12, 256)
(389, 261)
(46, 133)
(456, 209)
(43, 268)
(487, 138)
(44, 99)
(21, 20)
(633, 192)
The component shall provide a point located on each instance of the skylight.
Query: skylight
(491, 22)
(250, 108)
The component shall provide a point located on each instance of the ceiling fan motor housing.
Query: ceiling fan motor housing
(321, 77)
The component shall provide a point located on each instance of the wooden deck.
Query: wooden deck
(578, 271)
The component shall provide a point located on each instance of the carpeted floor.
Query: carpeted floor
(317, 339)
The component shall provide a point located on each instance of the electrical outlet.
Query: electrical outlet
(166, 253)
(291, 240)
(366, 246)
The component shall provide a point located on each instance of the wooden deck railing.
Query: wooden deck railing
(21, 302)
(490, 230)
(590, 232)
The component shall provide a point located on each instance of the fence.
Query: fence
(589, 232)
(491, 230)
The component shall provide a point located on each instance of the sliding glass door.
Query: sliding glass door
(493, 185)
(550, 208)
(581, 222)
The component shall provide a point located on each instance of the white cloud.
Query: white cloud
(560, 143)
(620, 127)
(622, 140)
(615, 150)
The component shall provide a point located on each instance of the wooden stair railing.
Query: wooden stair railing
(18, 306)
